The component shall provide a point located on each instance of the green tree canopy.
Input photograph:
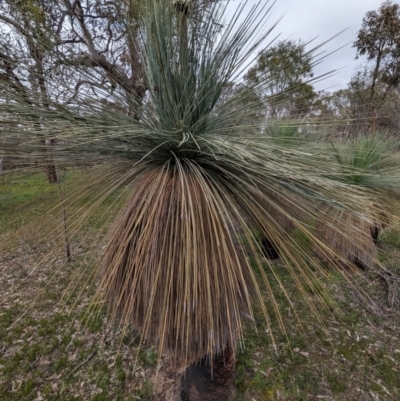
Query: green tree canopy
(287, 67)
(379, 40)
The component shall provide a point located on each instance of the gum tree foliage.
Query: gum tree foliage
(386, 99)
(373, 93)
(55, 50)
(379, 40)
(287, 66)
(351, 107)
(48, 47)
(51, 52)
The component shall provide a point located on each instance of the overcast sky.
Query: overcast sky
(307, 19)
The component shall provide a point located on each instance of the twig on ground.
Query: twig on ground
(77, 367)
(366, 384)
(392, 282)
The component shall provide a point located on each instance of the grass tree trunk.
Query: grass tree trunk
(207, 380)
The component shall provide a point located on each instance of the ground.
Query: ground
(53, 348)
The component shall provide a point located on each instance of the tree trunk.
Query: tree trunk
(201, 382)
(51, 173)
(50, 169)
(2, 169)
(374, 119)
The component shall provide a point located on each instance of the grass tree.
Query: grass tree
(190, 177)
(370, 162)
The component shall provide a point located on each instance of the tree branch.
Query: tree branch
(18, 27)
(11, 78)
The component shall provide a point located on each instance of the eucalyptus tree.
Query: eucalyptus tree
(385, 102)
(350, 108)
(287, 66)
(196, 173)
(40, 38)
(49, 47)
(379, 40)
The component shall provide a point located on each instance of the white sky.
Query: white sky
(308, 19)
